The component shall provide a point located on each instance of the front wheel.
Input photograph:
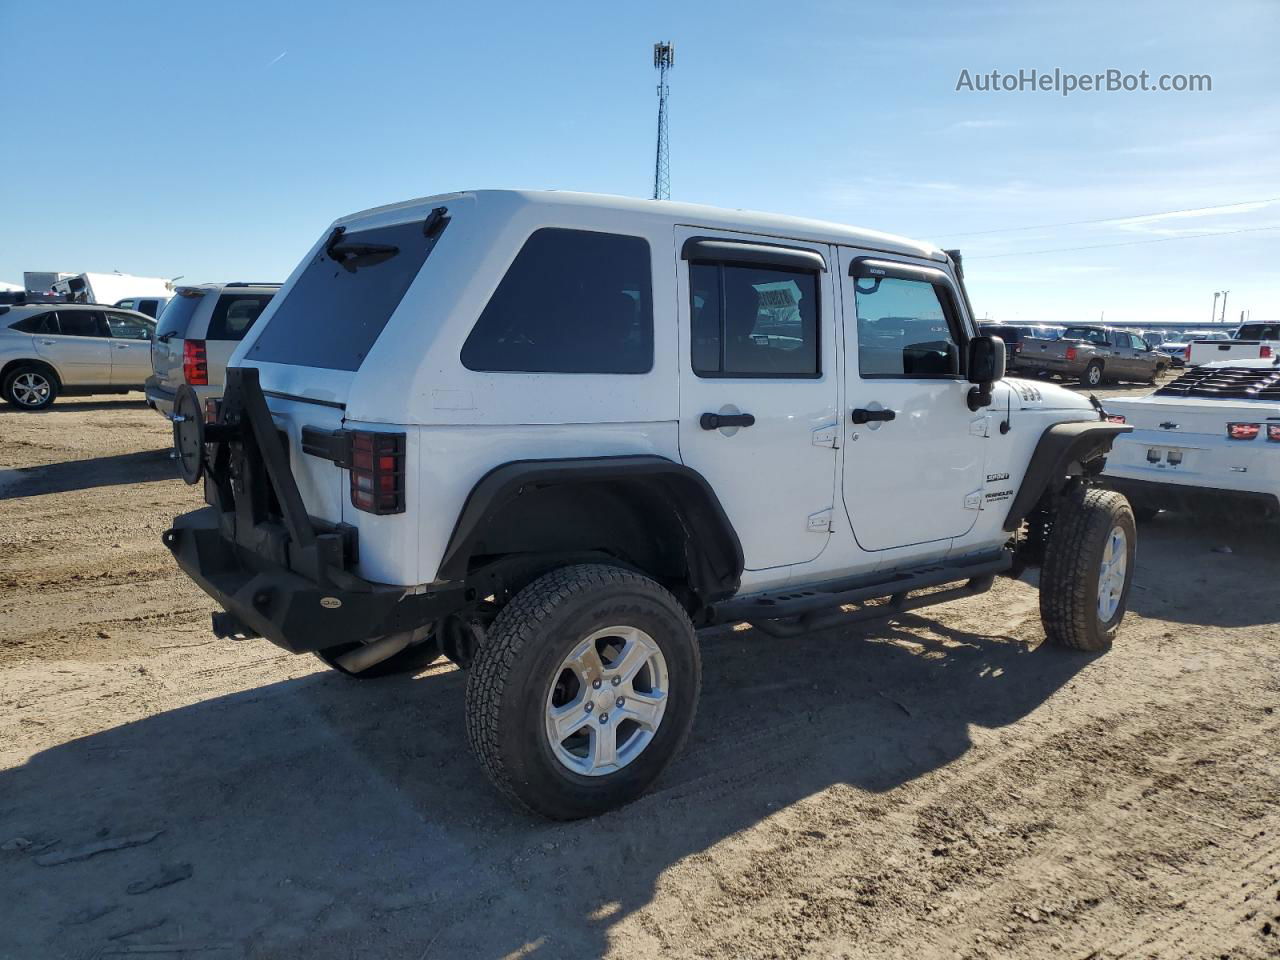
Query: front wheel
(584, 690)
(1088, 569)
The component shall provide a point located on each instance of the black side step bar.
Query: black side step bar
(822, 598)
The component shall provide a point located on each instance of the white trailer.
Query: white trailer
(111, 288)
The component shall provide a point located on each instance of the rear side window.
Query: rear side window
(177, 315)
(81, 323)
(573, 301)
(1259, 331)
(39, 323)
(338, 307)
(234, 314)
(753, 321)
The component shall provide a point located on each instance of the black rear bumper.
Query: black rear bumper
(291, 610)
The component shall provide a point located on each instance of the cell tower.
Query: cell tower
(664, 58)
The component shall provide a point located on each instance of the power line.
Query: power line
(1129, 243)
(1136, 216)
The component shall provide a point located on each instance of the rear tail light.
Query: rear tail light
(1273, 432)
(1243, 431)
(1017, 347)
(195, 363)
(1265, 352)
(1186, 354)
(1071, 354)
(1114, 418)
(377, 472)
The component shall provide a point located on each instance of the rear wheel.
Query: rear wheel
(1092, 376)
(30, 387)
(1088, 569)
(583, 691)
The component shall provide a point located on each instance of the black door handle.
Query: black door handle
(714, 421)
(861, 415)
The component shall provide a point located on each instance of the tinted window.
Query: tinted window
(149, 307)
(81, 323)
(1259, 331)
(750, 321)
(573, 301)
(338, 307)
(903, 330)
(177, 314)
(128, 328)
(234, 314)
(39, 323)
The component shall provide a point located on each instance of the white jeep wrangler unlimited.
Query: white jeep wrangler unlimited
(549, 435)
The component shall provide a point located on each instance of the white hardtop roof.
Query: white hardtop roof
(692, 214)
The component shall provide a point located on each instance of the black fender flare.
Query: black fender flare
(715, 563)
(1061, 445)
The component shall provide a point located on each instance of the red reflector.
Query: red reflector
(377, 472)
(1273, 432)
(1071, 353)
(1115, 418)
(212, 409)
(1243, 431)
(195, 363)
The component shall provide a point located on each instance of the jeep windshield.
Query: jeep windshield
(338, 307)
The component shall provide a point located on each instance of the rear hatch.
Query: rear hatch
(316, 334)
(171, 332)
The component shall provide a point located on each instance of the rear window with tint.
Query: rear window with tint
(573, 301)
(234, 314)
(1259, 331)
(176, 315)
(340, 304)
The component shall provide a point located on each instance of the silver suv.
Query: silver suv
(48, 349)
(196, 335)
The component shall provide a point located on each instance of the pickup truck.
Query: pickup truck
(1093, 354)
(1251, 341)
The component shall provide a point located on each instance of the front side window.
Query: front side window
(904, 330)
(126, 327)
(573, 301)
(81, 323)
(753, 321)
(234, 314)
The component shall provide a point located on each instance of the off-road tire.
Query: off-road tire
(508, 684)
(25, 369)
(409, 660)
(1092, 375)
(1073, 557)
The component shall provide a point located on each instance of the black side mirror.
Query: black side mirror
(986, 366)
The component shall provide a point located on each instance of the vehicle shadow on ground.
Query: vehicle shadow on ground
(328, 818)
(145, 466)
(1207, 571)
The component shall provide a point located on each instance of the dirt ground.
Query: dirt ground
(942, 786)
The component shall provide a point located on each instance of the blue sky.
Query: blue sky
(215, 141)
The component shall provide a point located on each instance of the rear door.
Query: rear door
(757, 332)
(914, 452)
(79, 350)
(130, 348)
(171, 330)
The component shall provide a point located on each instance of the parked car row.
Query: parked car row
(49, 349)
(71, 349)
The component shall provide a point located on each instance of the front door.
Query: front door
(78, 350)
(759, 386)
(913, 465)
(130, 349)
